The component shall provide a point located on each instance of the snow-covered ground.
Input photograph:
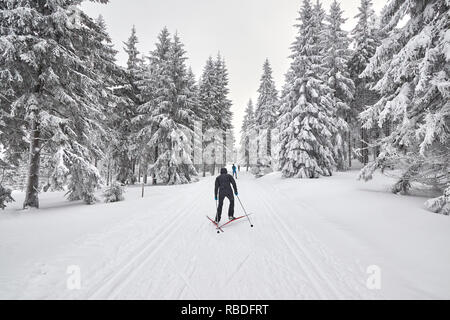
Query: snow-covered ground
(311, 239)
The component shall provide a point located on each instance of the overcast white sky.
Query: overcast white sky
(246, 32)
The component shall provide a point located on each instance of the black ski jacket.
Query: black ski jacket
(223, 185)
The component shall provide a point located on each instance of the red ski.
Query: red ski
(217, 226)
(223, 225)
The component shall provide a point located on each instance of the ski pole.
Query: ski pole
(251, 225)
(218, 228)
(216, 210)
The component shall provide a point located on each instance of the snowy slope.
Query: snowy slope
(312, 239)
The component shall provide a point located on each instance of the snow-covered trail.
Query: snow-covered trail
(163, 247)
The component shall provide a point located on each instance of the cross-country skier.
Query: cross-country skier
(234, 171)
(223, 187)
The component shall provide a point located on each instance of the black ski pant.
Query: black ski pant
(230, 208)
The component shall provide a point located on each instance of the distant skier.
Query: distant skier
(223, 187)
(234, 171)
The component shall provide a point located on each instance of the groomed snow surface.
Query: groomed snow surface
(312, 239)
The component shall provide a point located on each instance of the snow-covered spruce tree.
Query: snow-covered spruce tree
(49, 69)
(184, 102)
(307, 110)
(125, 150)
(365, 39)
(265, 119)
(80, 175)
(248, 125)
(207, 103)
(413, 62)
(148, 85)
(222, 109)
(169, 112)
(197, 115)
(112, 77)
(337, 54)
(216, 108)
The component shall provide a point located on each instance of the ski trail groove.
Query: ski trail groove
(353, 289)
(187, 284)
(95, 278)
(164, 238)
(227, 281)
(314, 273)
(117, 280)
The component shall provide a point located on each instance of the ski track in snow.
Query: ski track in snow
(169, 250)
(130, 269)
(305, 262)
(323, 282)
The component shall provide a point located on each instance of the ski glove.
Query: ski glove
(215, 198)
(236, 193)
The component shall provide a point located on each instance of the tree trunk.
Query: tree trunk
(133, 176)
(32, 192)
(108, 172)
(387, 128)
(364, 146)
(139, 169)
(376, 149)
(343, 161)
(224, 144)
(144, 169)
(156, 154)
(247, 152)
(349, 148)
(247, 159)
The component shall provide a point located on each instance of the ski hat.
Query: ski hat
(223, 171)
